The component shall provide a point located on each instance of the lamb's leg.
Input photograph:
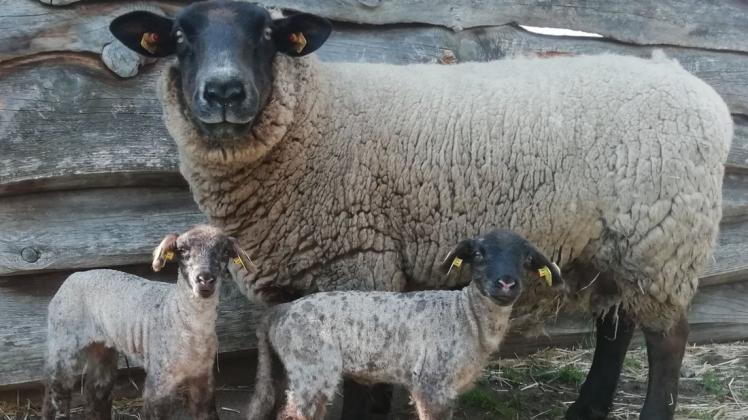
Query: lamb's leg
(201, 398)
(612, 340)
(158, 400)
(665, 355)
(357, 400)
(57, 397)
(59, 386)
(101, 374)
(298, 409)
(432, 410)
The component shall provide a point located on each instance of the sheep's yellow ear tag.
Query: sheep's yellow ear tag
(149, 42)
(238, 261)
(168, 256)
(545, 274)
(298, 40)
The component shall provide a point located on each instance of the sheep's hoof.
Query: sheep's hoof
(585, 412)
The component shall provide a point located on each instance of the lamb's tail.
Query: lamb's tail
(263, 399)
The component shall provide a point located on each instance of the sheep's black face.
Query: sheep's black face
(498, 261)
(203, 254)
(225, 56)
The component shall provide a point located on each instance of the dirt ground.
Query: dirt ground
(714, 385)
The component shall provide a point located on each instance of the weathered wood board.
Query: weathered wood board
(718, 313)
(717, 25)
(89, 228)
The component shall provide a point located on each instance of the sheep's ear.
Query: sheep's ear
(145, 33)
(462, 253)
(300, 34)
(547, 270)
(165, 252)
(241, 257)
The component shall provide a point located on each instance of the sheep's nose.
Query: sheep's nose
(224, 92)
(507, 283)
(206, 279)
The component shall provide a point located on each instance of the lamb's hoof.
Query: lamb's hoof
(585, 412)
(660, 413)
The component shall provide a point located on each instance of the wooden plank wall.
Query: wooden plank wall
(88, 174)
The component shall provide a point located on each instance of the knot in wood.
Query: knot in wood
(29, 254)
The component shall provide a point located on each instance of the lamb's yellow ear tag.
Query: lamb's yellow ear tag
(168, 256)
(545, 274)
(456, 263)
(238, 261)
(298, 40)
(149, 42)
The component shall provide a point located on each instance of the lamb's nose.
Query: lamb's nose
(206, 278)
(224, 92)
(507, 283)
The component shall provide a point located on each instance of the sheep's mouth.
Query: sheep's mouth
(225, 130)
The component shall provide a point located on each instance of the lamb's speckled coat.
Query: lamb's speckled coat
(435, 343)
(360, 176)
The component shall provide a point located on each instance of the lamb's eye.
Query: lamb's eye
(267, 34)
(179, 35)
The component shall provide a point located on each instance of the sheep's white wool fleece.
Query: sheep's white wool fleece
(361, 176)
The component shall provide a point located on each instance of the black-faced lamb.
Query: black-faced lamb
(435, 343)
(364, 174)
(169, 328)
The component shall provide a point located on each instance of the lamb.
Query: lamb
(169, 328)
(364, 174)
(435, 343)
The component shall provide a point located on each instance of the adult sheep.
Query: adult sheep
(361, 176)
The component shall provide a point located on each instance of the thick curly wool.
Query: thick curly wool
(360, 176)
(435, 343)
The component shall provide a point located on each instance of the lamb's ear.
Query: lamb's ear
(543, 267)
(241, 257)
(145, 33)
(462, 253)
(300, 34)
(165, 252)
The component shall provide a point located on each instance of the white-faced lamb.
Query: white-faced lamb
(364, 174)
(169, 328)
(435, 343)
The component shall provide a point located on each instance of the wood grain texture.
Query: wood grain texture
(23, 326)
(89, 228)
(718, 313)
(70, 124)
(717, 25)
(730, 259)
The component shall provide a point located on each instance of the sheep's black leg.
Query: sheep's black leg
(665, 354)
(596, 396)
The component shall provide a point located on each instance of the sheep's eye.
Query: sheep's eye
(182, 252)
(267, 34)
(179, 35)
